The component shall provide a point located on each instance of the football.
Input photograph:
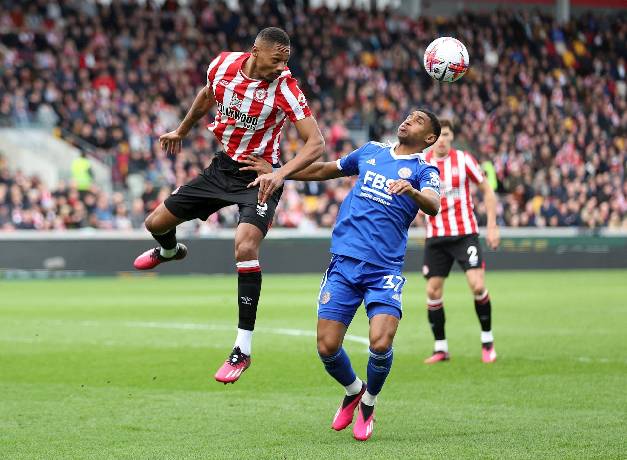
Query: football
(446, 59)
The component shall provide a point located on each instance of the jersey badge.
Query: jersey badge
(260, 94)
(372, 162)
(404, 173)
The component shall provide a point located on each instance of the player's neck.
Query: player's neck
(407, 149)
(250, 70)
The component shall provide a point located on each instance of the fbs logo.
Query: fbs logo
(372, 162)
(262, 209)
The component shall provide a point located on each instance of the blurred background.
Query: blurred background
(87, 87)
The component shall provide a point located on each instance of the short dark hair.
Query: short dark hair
(435, 123)
(447, 123)
(274, 35)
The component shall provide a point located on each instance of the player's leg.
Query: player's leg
(254, 222)
(337, 303)
(470, 257)
(199, 198)
(248, 238)
(437, 265)
(383, 328)
(383, 298)
(161, 223)
(483, 308)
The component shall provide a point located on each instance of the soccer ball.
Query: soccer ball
(446, 59)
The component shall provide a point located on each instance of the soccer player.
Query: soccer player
(254, 93)
(368, 250)
(452, 236)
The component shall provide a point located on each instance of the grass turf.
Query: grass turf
(122, 368)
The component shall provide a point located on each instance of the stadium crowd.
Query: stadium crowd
(544, 103)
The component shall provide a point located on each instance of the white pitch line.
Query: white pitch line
(221, 327)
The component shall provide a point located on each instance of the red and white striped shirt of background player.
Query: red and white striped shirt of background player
(456, 216)
(251, 112)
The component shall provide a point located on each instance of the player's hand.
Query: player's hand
(257, 164)
(493, 237)
(268, 184)
(171, 142)
(400, 187)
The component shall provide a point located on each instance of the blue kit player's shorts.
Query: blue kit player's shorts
(347, 282)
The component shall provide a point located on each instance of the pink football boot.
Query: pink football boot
(344, 415)
(233, 367)
(362, 430)
(152, 257)
(437, 357)
(488, 353)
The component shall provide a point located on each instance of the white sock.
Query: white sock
(168, 253)
(244, 341)
(368, 399)
(486, 337)
(441, 345)
(354, 387)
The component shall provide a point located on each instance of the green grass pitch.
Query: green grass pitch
(122, 368)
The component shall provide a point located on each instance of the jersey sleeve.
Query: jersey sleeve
(473, 170)
(292, 101)
(213, 68)
(349, 165)
(429, 178)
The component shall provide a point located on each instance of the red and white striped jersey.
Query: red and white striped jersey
(251, 112)
(456, 216)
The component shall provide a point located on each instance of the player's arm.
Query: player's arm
(428, 200)
(492, 238)
(318, 171)
(312, 150)
(171, 142)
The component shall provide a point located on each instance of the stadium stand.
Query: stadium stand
(545, 104)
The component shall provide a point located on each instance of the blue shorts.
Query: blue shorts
(347, 282)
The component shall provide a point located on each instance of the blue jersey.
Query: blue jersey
(372, 225)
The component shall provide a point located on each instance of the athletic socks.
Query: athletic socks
(435, 313)
(244, 341)
(354, 388)
(168, 243)
(483, 307)
(339, 367)
(248, 290)
(379, 365)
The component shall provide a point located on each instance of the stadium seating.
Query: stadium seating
(544, 103)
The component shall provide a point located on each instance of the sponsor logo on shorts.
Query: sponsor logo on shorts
(404, 173)
(262, 209)
(425, 270)
(325, 297)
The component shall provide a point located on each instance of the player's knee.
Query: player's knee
(434, 292)
(380, 343)
(246, 250)
(477, 288)
(328, 346)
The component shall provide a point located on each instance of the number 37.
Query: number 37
(393, 282)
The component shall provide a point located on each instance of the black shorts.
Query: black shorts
(223, 184)
(442, 251)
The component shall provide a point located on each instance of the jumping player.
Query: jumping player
(452, 236)
(368, 248)
(254, 93)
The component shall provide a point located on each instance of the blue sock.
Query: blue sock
(379, 365)
(339, 367)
